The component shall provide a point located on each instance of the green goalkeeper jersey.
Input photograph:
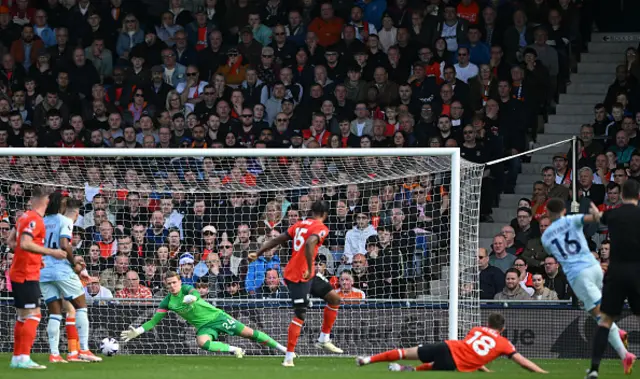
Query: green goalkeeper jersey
(196, 314)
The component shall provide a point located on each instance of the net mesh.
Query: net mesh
(387, 254)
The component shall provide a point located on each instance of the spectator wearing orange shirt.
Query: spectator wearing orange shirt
(133, 289)
(318, 130)
(107, 243)
(539, 200)
(327, 27)
(234, 69)
(236, 176)
(347, 292)
(469, 10)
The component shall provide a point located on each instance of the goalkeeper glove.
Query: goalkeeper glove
(189, 299)
(131, 333)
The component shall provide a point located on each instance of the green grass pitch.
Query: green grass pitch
(172, 367)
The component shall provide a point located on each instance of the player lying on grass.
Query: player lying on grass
(208, 320)
(565, 240)
(481, 346)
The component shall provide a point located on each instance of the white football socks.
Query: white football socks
(82, 324)
(53, 332)
(616, 341)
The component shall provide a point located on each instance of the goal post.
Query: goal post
(429, 278)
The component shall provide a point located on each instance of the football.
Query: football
(109, 346)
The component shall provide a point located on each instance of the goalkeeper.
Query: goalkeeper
(208, 320)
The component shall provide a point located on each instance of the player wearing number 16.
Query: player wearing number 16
(565, 240)
(208, 320)
(301, 279)
(481, 346)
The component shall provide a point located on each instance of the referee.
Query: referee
(622, 280)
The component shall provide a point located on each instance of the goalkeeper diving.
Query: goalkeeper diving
(208, 320)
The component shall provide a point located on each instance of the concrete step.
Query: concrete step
(547, 138)
(560, 130)
(589, 88)
(583, 108)
(485, 242)
(600, 58)
(575, 120)
(528, 178)
(598, 68)
(602, 78)
(574, 98)
(533, 168)
(543, 157)
(617, 48)
(504, 215)
(523, 189)
(551, 149)
(511, 198)
(490, 230)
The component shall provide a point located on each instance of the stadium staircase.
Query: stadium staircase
(596, 71)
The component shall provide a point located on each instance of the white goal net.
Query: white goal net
(388, 254)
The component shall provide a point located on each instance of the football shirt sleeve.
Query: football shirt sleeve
(577, 220)
(28, 226)
(322, 234)
(161, 312)
(66, 228)
(506, 347)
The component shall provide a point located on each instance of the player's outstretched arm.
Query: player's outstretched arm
(27, 244)
(131, 333)
(484, 369)
(279, 240)
(161, 312)
(594, 214)
(527, 364)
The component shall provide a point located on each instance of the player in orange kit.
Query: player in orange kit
(301, 279)
(481, 346)
(27, 240)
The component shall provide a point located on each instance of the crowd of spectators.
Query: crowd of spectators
(607, 155)
(480, 75)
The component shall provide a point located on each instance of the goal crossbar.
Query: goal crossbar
(235, 152)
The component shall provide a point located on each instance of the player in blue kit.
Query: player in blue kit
(59, 282)
(565, 240)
